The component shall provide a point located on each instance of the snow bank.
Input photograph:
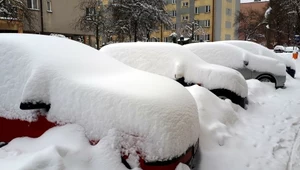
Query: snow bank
(234, 57)
(261, 50)
(86, 87)
(65, 148)
(215, 116)
(174, 61)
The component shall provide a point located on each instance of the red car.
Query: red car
(49, 81)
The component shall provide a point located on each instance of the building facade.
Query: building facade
(52, 17)
(208, 20)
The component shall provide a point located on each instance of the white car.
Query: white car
(57, 81)
(251, 66)
(261, 50)
(177, 63)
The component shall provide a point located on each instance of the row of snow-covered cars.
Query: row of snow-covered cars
(49, 81)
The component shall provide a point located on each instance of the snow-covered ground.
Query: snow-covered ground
(266, 136)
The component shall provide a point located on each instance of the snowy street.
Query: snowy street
(267, 133)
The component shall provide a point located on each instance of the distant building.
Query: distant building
(214, 19)
(53, 17)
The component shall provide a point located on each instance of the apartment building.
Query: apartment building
(210, 20)
(52, 17)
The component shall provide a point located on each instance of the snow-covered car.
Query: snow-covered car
(279, 49)
(248, 64)
(261, 50)
(48, 81)
(177, 63)
(291, 49)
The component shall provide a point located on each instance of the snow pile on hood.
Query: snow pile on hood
(97, 92)
(65, 148)
(234, 57)
(174, 61)
(261, 50)
(215, 116)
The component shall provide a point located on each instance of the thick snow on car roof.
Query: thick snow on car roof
(97, 92)
(234, 57)
(261, 50)
(174, 61)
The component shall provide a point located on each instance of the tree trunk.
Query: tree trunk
(148, 35)
(135, 31)
(97, 37)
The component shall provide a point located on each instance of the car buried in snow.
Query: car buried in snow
(258, 49)
(177, 63)
(65, 82)
(251, 66)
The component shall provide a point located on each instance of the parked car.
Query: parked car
(48, 81)
(279, 49)
(291, 49)
(177, 63)
(251, 66)
(261, 50)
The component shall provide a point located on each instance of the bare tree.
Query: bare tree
(94, 18)
(138, 18)
(16, 11)
(250, 23)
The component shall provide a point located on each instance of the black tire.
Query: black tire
(2, 144)
(224, 93)
(266, 78)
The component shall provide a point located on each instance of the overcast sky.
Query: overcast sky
(250, 0)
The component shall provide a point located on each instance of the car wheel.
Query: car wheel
(266, 78)
(227, 94)
(2, 144)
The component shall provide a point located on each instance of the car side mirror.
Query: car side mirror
(246, 63)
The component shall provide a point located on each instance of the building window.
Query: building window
(228, 24)
(185, 4)
(207, 9)
(197, 10)
(49, 6)
(196, 37)
(32, 4)
(207, 37)
(173, 1)
(185, 18)
(206, 23)
(174, 27)
(90, 11)
(173, 14)
(227, 37)
(228, 11)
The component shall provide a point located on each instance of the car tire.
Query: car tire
(227, 94)
(2, 144)
(266, 78)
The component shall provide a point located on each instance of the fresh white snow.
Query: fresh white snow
(174, 61)
(261, 50)
(63, 148)
(97, 92)
(234, 57)
(266, 135)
